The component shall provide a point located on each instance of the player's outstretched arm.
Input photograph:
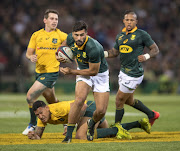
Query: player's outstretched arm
(37, 134)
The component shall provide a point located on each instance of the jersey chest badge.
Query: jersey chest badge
(54, 40)
(133, 37)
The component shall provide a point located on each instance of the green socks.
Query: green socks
(33, 116)
(70, 129)
(92, 123)
(105, 132)
(141, 107)
(131, 125)
(119, 115)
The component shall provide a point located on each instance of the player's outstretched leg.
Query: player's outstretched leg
(145, 125)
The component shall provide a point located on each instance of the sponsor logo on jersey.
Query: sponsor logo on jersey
(125, 49)
(127, 70)
(125, 41)
(46, 48)
(133, 37)
(54, 40)
(42, 78)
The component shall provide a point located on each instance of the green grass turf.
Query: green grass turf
(167, 105)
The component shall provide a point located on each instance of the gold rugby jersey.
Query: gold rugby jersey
(59, 113)
(45, 45)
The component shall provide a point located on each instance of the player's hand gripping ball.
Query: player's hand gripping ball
(65, 53)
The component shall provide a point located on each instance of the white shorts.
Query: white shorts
(128, 84)
(98, 83)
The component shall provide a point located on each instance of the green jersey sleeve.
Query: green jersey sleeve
(147, 40)
(70, 39)
(116, 45)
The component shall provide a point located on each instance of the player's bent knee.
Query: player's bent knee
(80, 102)
(101, 112)
(80, 136)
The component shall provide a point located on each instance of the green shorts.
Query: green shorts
(90, 109)
(48, 79)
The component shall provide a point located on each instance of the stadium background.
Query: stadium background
(160, 18)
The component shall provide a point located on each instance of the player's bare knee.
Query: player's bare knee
(79, 101)
(101, 112)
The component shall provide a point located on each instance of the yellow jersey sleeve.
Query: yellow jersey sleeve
(62, 35)
(32, 42)
(45, 45)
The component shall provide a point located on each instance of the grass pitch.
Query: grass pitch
(165, 134)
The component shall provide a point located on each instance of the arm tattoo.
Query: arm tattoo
(154, 50)
(39, 131)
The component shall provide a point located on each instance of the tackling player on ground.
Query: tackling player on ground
(58, 114)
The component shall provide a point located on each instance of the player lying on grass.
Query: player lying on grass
(58, 114)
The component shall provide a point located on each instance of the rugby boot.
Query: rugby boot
(145, 125)
(156, 116)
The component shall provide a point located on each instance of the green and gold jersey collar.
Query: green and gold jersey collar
(81, 47)
(127, 32)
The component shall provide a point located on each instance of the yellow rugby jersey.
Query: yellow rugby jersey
(45, 45)
(59, 113)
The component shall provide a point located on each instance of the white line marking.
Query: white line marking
(24, 114)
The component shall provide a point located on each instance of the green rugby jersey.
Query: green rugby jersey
(91, 51)
(130, 46)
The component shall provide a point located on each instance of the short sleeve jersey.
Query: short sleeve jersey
(130, 46)
(59, 113)
(91, 51)
(45, 45)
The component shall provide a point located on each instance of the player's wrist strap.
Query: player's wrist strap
(147, 56)
(106, 54)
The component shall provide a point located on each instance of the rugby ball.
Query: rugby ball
(66, 53)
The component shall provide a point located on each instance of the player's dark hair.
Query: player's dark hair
(130, 12)
(38, 104)
(46, 14)
(80, 25)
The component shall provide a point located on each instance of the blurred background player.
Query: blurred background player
(41, 50)
(130, 45)
(58, 114)
(92, 73)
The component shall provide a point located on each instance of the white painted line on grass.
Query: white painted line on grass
(24, 114)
